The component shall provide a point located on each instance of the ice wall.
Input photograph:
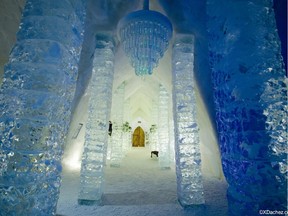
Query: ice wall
(36, 96)
(250, 91)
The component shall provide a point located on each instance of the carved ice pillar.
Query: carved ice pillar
(154, 146)
(126, 129)
(153, 128)
(35, 105)
(251, 103)
(172, 140)
(163, 128)
(187, 143)
(171, 132)
(117, 134)
(99, 108)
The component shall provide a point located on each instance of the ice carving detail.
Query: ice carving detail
(250, 94)
(96, 137)
(36, 97)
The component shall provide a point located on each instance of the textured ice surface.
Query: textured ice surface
(96, 138)
(117, 120)
(153, 136)
(163, 128)
(145, 37)
(251, 103)
(36, 95)
(127, 134)
(187, 143)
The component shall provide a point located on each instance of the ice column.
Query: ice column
(172, 140)
(251, 103)
(154, 146)
(171, 132)
(35, 100)
(187, 143)
(163, 128)
(117, 117)
(99, 108)
(126, 128)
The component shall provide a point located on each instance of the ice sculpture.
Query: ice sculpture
(145, 36)
(117, 117)
(163, 128)
(251, 103)
(187, 143)
(96, 137)
(36, 96)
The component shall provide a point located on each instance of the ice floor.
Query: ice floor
(139, 187)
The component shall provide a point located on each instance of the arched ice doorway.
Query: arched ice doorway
(138, 139)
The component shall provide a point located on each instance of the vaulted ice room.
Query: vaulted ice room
(138, 107)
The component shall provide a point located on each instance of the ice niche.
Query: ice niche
(36, 96)
(250, 93)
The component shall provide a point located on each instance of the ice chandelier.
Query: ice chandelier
(145, 36)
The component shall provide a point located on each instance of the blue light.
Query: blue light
(145, 36)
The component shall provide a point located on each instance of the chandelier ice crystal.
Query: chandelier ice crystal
(145, 36)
